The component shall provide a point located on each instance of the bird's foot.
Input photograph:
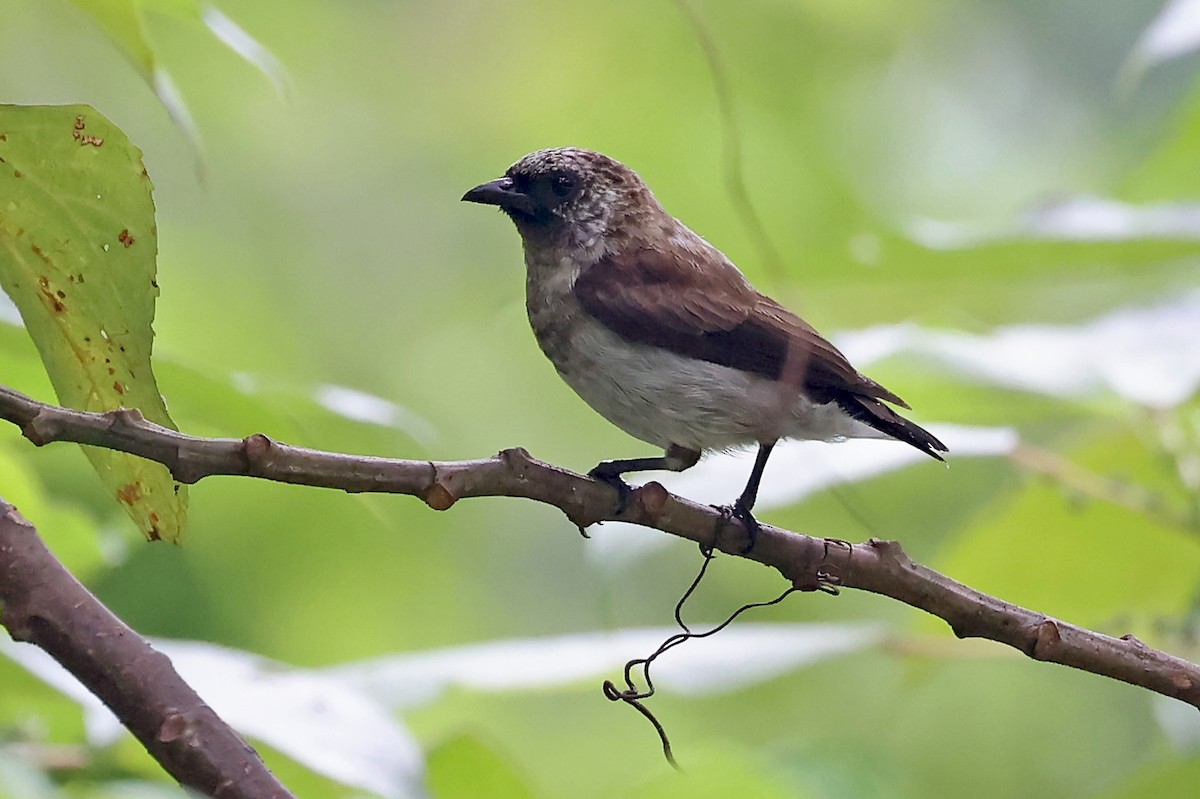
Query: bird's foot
(739, 511)
(623, 489)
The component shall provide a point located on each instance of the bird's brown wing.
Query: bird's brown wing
(671, 300)
(823, 368)
(711, 312)
(695, 305)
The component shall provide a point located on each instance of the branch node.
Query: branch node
(438, 497)
(649, 500)
(174, 727)
(889, 549)
(1048, 639)
(582, 521)
(436, 494)
(125, 418)
(256, 449)
(517, 458)
(10, 512)
(18, 624)
(41, 429)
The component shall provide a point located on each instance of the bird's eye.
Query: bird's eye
(563, 184)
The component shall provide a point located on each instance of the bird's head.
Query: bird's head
(571, 193)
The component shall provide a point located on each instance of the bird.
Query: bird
(664, 337)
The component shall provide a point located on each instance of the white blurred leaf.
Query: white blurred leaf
(177, 107)
(20, 779)
(239, 41)
(1149, 355)
(360, 406)
(1174, 32)
(320, 721)
(1071, 219)
(738, 657)
(9, 315)
(1179, 722)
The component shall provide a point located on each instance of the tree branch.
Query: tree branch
(46, 606)
(809, 563)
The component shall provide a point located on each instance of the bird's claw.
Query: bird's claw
(740, 512)
(624, 491)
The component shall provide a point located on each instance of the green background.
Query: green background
(316, 239)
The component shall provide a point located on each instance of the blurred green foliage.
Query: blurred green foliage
(324, 245)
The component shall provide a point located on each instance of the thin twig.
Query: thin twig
(808, 563)
(735, 173)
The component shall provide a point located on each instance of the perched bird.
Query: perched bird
(662, 335)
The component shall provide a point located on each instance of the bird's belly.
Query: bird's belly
(664, 398)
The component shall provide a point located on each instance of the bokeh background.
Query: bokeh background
(992, 205)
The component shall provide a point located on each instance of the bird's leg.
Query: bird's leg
(745, 503)
(675, 459)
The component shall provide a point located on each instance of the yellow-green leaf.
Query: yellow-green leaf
(123, 21)
(77, 256)
(466, 766)
(126, 23)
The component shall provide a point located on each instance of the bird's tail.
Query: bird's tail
(873, 412)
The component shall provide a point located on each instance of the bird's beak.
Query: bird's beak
(501, 192)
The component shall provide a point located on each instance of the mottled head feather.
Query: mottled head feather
(580, 193)
(597, 168)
